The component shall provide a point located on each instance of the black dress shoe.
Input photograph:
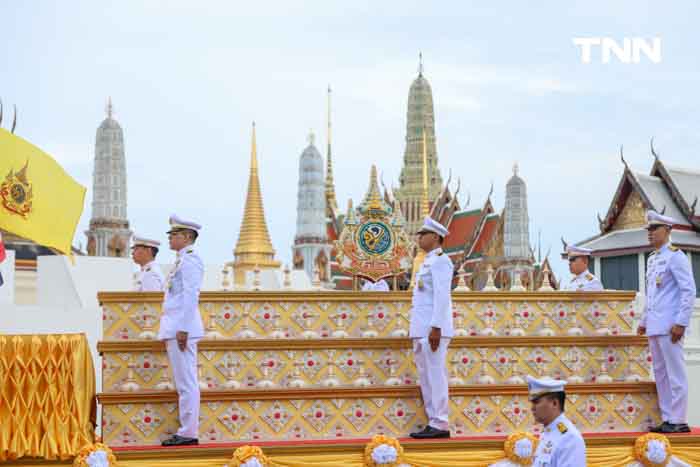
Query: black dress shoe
(429, 432)
(675, 428)
(658, 428)
(177, 440)
(424, 430)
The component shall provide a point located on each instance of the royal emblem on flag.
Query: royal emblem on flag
(16, 192)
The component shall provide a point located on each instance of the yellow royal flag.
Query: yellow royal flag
(38, 199)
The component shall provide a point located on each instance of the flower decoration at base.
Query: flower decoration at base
(652, 450)
(95, 455)
(249, 456)
(520, 448)
(383, 451)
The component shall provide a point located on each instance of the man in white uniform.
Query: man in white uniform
(379, 286)
(583, 280)
(143, 252)
(561, 444)
(431, 328)
(181, 326)
(670, 296)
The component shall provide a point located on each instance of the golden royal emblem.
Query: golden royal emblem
(16, 192)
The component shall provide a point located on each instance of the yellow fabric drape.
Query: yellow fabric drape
(47, 396)
(597, 456)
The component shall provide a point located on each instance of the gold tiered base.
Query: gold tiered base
(304, 367)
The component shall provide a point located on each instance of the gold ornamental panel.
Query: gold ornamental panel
(143, 421)
(297, 315)
(136, 366)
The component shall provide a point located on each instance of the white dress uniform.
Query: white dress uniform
(561, 444)
(379, 286)
(181, 313)
(432, 307)
(670, 296)
(150, 277)
(584, 282)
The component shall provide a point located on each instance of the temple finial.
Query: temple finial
(515, 169)
(253, 151)
(331, 202)
(311, 137)
(420, 63)
(110, 107)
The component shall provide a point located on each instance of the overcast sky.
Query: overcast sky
(187, 78)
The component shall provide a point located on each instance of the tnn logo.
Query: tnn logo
(629, 52)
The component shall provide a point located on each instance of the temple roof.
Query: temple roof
(461, 228)
(486, 234)
(660, 198)
(636, 239)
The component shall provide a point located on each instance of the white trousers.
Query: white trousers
(671, 378)
(432, 372)
(184, 369)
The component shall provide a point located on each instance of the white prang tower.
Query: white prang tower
(109, 233)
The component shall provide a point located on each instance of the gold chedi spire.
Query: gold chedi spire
(254, 247)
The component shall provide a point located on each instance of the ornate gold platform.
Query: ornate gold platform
(309, 366)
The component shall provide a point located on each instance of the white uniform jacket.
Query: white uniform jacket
(670, 294)
(150, 278)
(432, 302)
(584, 282)
(561, 445)
(181, 303)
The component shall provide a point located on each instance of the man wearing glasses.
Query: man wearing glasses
(181, 326)
(583, 280)
(431, 328)
(670, 295)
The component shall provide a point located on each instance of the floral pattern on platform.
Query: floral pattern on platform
(124, 321)
(357, 418)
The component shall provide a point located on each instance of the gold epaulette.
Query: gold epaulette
(673, 248)
(589, 276)
(189, 250)
(148, 269)
(562, 428)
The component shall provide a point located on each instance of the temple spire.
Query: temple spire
(331, 201)
(420, 63)
(424, 202)
(110, 108)
(254, 246)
